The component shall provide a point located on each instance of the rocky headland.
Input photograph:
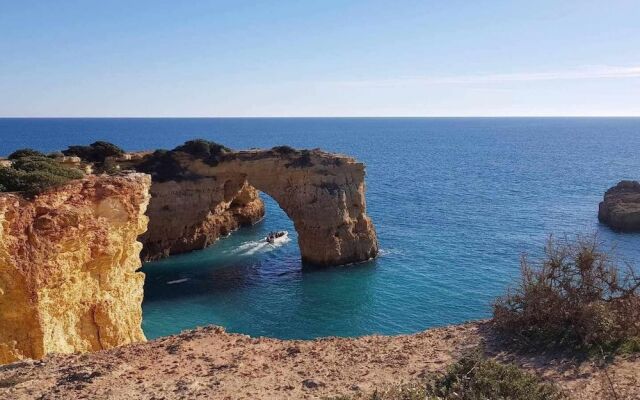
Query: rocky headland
(620, 208)
(73, 229)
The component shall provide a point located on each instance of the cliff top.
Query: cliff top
(210, 363)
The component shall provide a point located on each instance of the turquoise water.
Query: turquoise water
(455, 202)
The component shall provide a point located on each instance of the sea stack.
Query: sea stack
(620, 209)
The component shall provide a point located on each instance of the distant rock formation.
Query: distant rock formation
(68, 262)
(198, 195)
(620, 209)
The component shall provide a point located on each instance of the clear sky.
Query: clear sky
(319, 58)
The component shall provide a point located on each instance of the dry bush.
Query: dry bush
(576, 295)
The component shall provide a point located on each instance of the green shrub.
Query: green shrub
(45, 165)
(25, 153)
(202, 148)
(164, 165)
(31, 175)
(55, 154)
(95, 152)
(109, 167)
(473, 377)
(476, 377)
(303, 161)
(575, 296)
(286, 150)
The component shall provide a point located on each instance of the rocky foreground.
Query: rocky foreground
(208, 363)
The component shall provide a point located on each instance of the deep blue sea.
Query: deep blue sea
(455, 201)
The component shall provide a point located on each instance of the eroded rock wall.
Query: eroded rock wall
(191, 214)
(68, 267)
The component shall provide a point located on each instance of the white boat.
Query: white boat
(276, 237)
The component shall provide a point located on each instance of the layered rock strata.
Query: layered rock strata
(620, 209)
(196, 199)
(68, 267)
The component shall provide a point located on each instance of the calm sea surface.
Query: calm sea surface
(455, 203)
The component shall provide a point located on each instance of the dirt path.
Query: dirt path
(208, 363)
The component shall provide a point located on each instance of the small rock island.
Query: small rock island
(620, 209)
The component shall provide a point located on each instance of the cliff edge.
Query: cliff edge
(68, 262)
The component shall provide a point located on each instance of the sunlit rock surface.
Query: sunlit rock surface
(68, 261)
(196, 199)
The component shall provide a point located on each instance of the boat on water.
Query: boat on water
(276, 237)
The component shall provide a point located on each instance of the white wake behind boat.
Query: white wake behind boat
(277, 237)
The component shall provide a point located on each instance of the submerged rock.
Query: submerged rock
(620, 209)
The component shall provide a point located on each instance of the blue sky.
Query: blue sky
(319, 58)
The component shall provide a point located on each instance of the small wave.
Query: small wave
(259, 246)
(387, 252)
(177, 281)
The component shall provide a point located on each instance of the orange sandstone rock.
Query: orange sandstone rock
(68, 267)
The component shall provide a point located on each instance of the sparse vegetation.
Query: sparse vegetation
(31, 174)
(285, 150)
(55, 154)
(25, 153)
(576, 296)
(303, 161)
(96, 152)
(473, 377)
(164, 165)
(202, 148)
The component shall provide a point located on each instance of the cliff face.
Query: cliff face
(621, 207)
(68, 261)
(192, 214)
(322, 193)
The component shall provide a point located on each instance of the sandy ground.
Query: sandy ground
(208, 363)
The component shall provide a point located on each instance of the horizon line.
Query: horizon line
(314, 116)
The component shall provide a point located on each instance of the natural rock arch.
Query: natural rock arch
(322, 193)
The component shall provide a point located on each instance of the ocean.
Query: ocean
(455, 201)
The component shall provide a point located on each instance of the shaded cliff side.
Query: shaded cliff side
(193, 214)
(68, 261)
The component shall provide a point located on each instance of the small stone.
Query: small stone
(312, 383)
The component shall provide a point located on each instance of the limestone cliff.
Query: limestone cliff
(196, 198)
(68, 262)
(192, 214)
(621, 207)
